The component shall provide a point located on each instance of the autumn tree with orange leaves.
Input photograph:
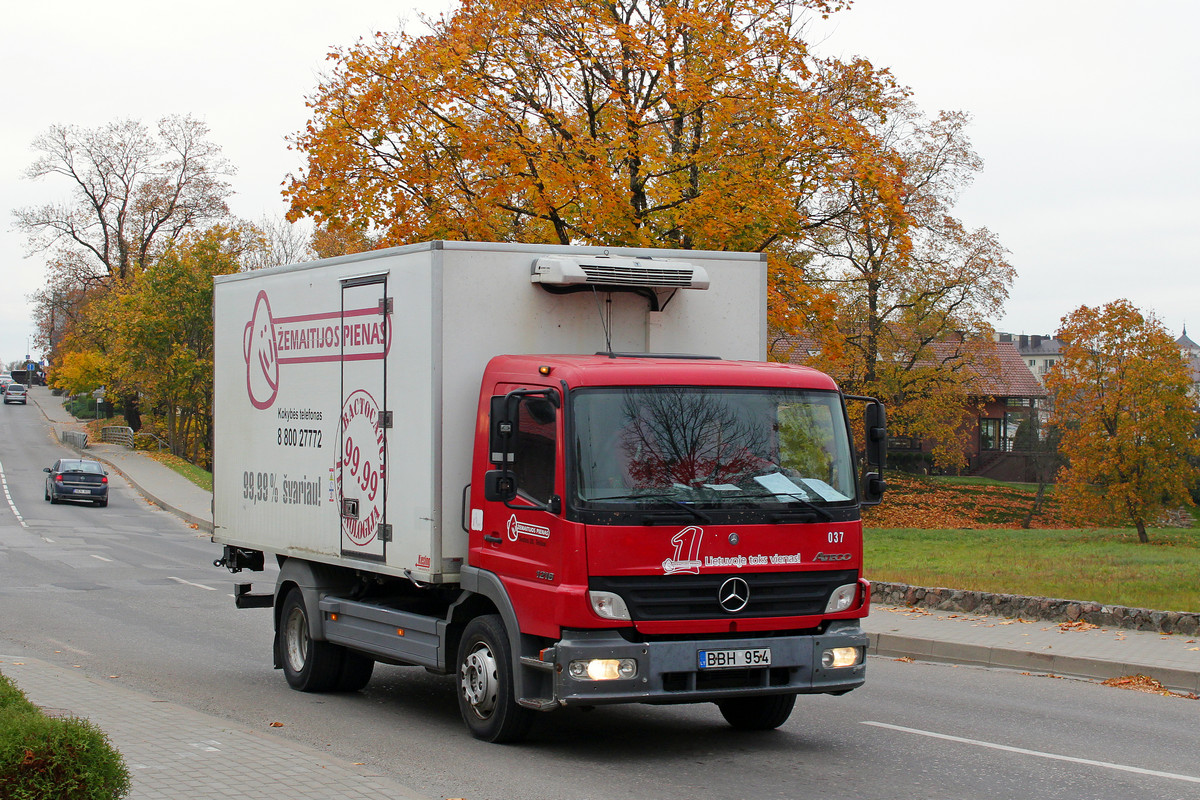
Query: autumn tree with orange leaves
(911, 295)
(666, 123)
(1121, 401)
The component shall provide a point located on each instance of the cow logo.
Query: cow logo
(269, 342)
(734, 595)
(261, 351)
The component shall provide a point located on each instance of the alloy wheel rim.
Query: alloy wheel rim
(479, 682)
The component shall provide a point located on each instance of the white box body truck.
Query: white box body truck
(426, 439)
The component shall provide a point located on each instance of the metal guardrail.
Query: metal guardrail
(161, 443)
(117, 434)
(74, 439)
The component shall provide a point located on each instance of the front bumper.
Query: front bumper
(668, 671)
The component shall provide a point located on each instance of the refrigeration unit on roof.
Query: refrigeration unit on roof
(615, 272)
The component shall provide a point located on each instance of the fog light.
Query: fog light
(603, 669)
(608, 605)
(842, 598)
(839, 657)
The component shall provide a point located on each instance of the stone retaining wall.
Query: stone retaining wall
(1043, 608)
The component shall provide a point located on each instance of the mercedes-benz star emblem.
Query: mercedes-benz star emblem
(734, 594)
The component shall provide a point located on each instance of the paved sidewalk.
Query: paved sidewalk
(174, 753)
(1068, 649)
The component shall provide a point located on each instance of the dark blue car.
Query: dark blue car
(77, 479)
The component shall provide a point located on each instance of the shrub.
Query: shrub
(82, 406)
(12, 699)
(45, 758)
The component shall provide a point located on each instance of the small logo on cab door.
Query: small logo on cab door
(832, 557)
(517, 529)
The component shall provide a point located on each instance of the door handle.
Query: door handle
(492, 537)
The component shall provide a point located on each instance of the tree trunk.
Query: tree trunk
(133, 417)
(1141, 529)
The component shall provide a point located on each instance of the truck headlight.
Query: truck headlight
(608, 605)
(842, 598)
(603, 669)
(836, 657)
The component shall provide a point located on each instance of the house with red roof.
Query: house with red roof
(1002, 420)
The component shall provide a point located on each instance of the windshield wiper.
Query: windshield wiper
(666, 497)
(808, 504)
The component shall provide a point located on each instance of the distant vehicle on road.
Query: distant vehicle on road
(14, 393)
(77, 479)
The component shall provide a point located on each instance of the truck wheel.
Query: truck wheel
(761, 713)
(356, 671)
(485, 683)
(308, 665)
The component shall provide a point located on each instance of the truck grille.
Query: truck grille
(772, 594)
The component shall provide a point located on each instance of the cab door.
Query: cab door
(523, 539)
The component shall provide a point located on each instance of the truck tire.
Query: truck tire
(761, 713)
(356, 671)
(486, 695)
(308, 665)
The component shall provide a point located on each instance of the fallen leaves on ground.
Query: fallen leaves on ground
(1144, 683)
(922, 503)
(276, 724)
(905, 659)
(1077, 625)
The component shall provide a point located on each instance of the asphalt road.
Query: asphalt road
(129, 591)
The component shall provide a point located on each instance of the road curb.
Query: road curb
(199, 522)
(890, 645)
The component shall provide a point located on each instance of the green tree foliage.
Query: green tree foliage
(162, 324)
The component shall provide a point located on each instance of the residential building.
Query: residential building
(1191, 352)
(1041, 353)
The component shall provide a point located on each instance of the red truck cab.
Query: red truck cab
(670, 529)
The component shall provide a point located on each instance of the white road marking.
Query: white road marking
(102, 558)
(1039, 754)
(189, 583)
(8, 497)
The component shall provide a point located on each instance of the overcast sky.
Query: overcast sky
(1085, 112)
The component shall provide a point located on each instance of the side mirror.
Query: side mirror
(875, 422)
(873, 488)
(500, 486)
(45, 469)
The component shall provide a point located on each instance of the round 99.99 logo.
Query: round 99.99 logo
(361, 472)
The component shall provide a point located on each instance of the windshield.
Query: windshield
(81, 466)
(710, 448)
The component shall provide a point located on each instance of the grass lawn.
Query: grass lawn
(1103, 565)
(966, 534)
(200, 477)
